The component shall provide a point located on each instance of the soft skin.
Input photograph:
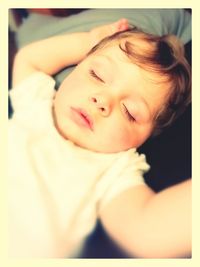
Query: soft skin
(115, 87)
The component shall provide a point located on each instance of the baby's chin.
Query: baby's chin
(104, 149)
(85, 143)
(94, 147)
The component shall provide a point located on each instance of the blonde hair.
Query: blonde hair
(163, 55)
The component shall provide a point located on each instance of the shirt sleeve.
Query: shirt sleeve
(34, 88)
(126, 172)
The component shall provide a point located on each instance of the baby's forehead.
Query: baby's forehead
(134, 47)
(116, 52)
(114, 57)
(136, 40)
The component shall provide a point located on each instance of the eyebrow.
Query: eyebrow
(108, 59)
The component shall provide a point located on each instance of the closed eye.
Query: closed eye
(128, 115)
(94, 75)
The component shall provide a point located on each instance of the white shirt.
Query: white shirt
(56, 189)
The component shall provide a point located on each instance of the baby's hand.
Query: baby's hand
(98, 33)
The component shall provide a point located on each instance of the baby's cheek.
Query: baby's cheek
(126, 141)
(121, 139)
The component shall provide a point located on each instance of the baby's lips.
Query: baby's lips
(81, 117)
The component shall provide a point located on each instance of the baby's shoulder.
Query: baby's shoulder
(36, 87)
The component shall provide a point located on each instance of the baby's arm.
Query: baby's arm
(151, 225)
(55, 53)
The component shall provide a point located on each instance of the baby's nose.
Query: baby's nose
(102, 103)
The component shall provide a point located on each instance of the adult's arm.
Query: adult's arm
(151, 225)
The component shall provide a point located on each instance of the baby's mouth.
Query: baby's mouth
(81, 118)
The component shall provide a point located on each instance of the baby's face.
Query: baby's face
(107, 104)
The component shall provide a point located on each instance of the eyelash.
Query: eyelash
(93, 74)
(128, 115)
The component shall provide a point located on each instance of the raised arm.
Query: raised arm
(150, 225)
(57, 52)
